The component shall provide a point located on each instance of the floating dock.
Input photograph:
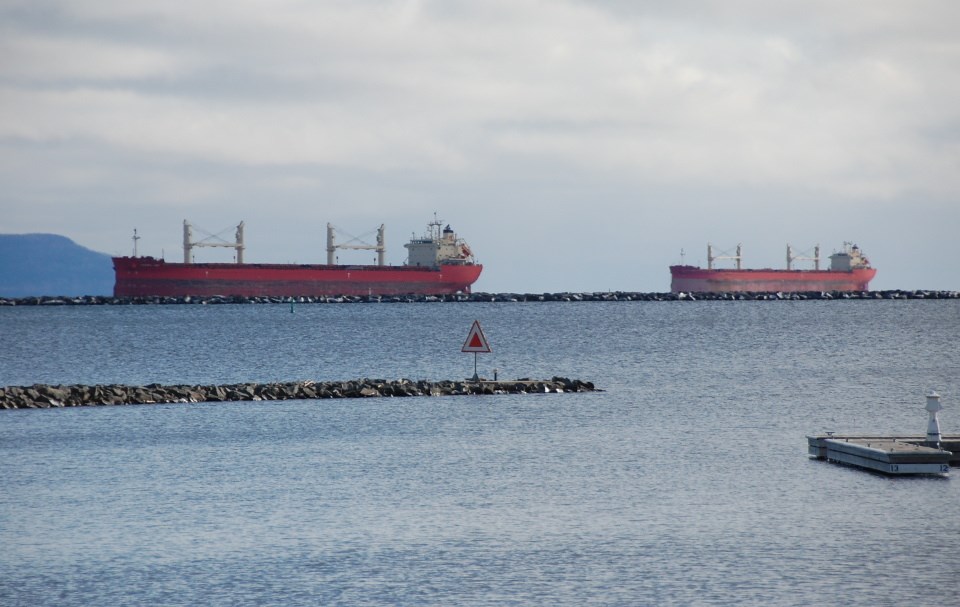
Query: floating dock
(887, 454)
(930, 454)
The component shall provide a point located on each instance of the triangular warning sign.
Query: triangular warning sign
(476, 341)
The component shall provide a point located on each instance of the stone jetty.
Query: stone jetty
(102, 300)
(43, 396)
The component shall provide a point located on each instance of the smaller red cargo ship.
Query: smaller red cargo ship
(438, 263)
(849, 271)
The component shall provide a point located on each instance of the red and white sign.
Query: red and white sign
(476, 340)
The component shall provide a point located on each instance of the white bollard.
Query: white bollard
(933, 426)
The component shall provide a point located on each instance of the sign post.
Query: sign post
(476, 342)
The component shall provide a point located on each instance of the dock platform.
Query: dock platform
(894, 455)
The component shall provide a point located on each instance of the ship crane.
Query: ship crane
(792, 258)
(711, 257)
(332, 245)
(189, 243)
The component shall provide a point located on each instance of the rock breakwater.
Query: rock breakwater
(98, 300)
(42, 396)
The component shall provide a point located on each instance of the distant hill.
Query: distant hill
(47, 264)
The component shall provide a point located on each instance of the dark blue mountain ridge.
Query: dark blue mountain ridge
(35, 265)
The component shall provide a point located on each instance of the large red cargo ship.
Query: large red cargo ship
(849, 271)
(438, 263)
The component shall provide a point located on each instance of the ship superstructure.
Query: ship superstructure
(437, 248)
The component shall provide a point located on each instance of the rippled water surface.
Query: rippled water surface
(685, 482)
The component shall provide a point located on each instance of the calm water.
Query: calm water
(685, 483)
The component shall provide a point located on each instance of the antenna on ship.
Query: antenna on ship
(135, 239)
(683, 257)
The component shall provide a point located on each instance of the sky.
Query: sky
(576, 146)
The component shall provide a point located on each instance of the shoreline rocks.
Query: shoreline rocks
(103, 300)
(44, 396)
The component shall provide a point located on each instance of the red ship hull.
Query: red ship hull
(149, 277)
(691, 279)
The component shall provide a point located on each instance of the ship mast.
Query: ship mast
(434, 227)
(135, 239)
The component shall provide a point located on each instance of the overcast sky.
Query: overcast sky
(576, 146)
